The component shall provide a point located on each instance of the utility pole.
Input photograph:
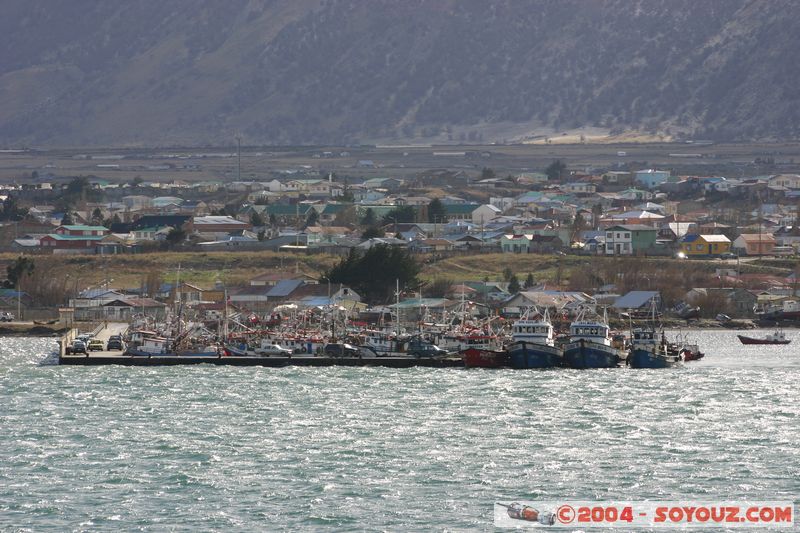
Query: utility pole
(239, 158)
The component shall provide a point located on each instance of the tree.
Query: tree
(373, 273)
(21, 267)
(555, 170)
(487, 173)
(97, 217)
(372, 232)
(176, 236)
(12, 210)
(513, 285)
(400, 214)
(67, 220)
(312, 218)
(507, 274)
(369, 218)
(436, 211)
(273, 220)
(578, 225)
(256, 220)
(529, 281)
(262, 235)
(346, 216)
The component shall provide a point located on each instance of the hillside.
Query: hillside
(173, 72)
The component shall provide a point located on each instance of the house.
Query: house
(579, 187)
(632, 239)
(736, 302)
(186, 293)
(515, 243)
(218, 225)
(485, 213)
(325, 234)
(123, 309)
(70, 244)
(789, 181)
(636, 217)
(705, 245)
(270, 279)
(651, 178)
(755, 243)
(81, 230)
(459, 211)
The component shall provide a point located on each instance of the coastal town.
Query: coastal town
(698, 247)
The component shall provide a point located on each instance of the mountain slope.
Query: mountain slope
(315, 71)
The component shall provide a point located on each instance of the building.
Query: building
(485, 213)
(218, 225)
(705, 245)
(651, 178)
(631, 239)
(754, 243)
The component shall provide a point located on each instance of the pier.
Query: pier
(106, 330)
(98, 359)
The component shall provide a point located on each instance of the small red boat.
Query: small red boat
(480, 358)
(779, 337)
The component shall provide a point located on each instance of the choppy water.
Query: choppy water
(243, 449)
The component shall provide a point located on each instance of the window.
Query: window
(699, 247)
(618, 237)
(627, 235)
(609, 235)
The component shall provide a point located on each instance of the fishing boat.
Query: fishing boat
(689, 350)
(590, 344)
(481, 358)
(649, 349)
(777, 337)
(533, 342)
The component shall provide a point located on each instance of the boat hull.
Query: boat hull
(587, 354)
(751, 340)
(532, 355)
(477, 358)
(643, 358)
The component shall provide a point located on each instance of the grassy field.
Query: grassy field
(56, 278)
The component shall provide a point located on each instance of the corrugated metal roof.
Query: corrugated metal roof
(635, 299)
(284, 288)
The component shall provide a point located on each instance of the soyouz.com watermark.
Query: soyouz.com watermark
(639, 514)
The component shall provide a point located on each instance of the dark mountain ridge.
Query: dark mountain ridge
(332, 71)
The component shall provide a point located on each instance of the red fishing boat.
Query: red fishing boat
(778, 337)
(481, 358)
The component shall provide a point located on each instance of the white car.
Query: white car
(6, 317)
(273, 349)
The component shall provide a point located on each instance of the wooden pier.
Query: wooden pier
(298, 360)
(103, 332)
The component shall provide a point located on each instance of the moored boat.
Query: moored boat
(590, 345)
(482, 358)
(533, 343)
(777, 337)
(651, 350)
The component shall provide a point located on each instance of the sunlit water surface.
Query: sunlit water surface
(243, 449)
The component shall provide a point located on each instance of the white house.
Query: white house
(485, 213)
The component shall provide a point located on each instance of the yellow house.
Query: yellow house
(705, 245)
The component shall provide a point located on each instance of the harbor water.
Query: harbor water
(299, 449)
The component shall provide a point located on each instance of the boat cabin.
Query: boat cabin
(590, 331)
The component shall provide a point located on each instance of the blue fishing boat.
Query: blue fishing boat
(533, 342)
(590, 345)
(649, 349)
